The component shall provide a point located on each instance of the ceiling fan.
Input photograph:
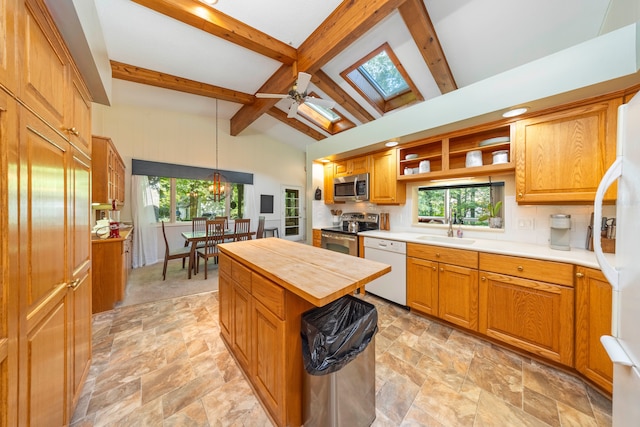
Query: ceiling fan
(298, 95)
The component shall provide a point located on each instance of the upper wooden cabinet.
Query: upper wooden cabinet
(384, 188)
(108, 172)
(354, 166)
(561, 157)
(593, 319)
(329, 169)
(8, 40)
(447, 154)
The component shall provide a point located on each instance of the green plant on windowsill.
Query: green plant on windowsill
(493, 215)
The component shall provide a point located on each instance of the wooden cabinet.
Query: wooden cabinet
(562, 156)
(260, 322)
(455, 288)
(384, 186)
(9, 21)
(593, 320)
(317, 237)
(528, 304)
(328, 183)
(447, 154)
(110, 260)
(108, 172)
(354, 166)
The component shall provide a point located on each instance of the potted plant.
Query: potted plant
(493, 212)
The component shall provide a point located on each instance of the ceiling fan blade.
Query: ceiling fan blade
(326, 103)
(293, 110)
(303, 82)
(271, 95)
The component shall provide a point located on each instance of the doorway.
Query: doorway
(293, 217)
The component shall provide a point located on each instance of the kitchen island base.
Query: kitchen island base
(264, 287)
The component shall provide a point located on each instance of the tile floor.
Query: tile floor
(163, 364)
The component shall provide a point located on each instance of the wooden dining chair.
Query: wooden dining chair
(241, 229)
(260, 230)
(169, 253)
(226, 221)
(198, 224)
(215, 235)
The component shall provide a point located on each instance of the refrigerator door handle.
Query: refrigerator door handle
(609, 271)
(617, 354)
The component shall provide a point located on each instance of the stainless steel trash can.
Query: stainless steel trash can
(345, 398)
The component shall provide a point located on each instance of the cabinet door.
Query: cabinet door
(9, 32)
(353, 166)
(79, 115)
(241, 333)
(422, 285)
(79, 220)
(43, 284)
(532, 315)
(328, 183)
(383, 183)
(268, 363)
(593, 319)
(561, 157)
(458, 295)
(225, 311)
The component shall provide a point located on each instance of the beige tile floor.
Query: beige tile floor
(164, 364)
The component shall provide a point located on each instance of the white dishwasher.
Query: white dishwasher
(393, 285)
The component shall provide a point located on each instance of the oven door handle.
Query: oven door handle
(338, 236)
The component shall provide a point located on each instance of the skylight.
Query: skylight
(382, 73)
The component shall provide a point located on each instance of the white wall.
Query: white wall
(522, 223)
(187, 139)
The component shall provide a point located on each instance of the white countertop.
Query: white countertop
(576, 256)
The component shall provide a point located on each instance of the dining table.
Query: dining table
(194, 237)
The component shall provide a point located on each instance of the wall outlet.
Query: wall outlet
(525, 223)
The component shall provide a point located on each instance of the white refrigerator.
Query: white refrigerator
(623, 345)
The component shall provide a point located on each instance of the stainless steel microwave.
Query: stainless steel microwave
(351, 188)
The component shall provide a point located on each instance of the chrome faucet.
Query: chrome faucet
(450, 231)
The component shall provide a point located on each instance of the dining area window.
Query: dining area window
(181, 199)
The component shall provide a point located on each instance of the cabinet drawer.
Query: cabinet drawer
(527, 268)
(269, 294)
(459, 257)
(224, 264)
(241, 275)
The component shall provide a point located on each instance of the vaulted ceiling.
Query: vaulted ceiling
(183, 54)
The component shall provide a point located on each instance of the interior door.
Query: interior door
(292, 215)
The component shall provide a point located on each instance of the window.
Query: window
(324, 118)
(382, 81)
(179, 199)
(463, 204)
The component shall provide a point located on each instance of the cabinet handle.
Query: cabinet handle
(520, 268)
(579, 275)
(437, 255)
(434, 269)
(520, 195)
(73, 131)
(483, 278)
(73, 284)
(441, 268)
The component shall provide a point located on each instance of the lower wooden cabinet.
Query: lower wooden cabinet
(111, 264)
(534, 315)
(593, 319)
(317, 237)
(443, 282)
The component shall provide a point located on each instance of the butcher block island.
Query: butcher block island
(264, 287)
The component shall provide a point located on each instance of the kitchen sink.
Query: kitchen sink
(443, 239)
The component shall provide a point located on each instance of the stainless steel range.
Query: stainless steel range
(344, 238)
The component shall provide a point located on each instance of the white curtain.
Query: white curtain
(145, 237)
(250, 205)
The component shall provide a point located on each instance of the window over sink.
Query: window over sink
(470, 204)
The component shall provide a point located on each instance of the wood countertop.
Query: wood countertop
(317, 275)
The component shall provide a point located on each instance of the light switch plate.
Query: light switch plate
(525, 223)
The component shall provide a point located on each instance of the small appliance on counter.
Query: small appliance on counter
(560, 232)
(114, 221)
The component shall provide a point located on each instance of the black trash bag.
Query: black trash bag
(336, 333)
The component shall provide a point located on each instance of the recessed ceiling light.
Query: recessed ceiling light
(209, 2)
(391, 143)
(515, 112)
(325, 160)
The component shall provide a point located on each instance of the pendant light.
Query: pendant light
(216, 189)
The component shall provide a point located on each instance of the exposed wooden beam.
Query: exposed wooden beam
(416, 17)
(335, 92)
(207, 19)
(149, 77)
(294, 123)
(345, 25)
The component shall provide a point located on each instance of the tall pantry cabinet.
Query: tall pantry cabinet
(45, 159)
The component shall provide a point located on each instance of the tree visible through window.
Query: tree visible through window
(383, 74)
